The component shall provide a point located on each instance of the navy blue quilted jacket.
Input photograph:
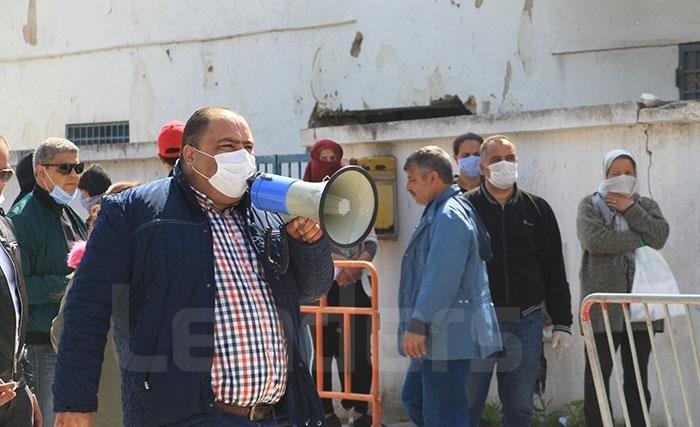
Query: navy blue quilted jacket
(149, 263)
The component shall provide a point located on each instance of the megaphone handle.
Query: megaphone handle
(274, 265)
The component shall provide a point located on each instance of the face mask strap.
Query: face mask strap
(46, 172)
(200, 173)
(206, 154)
(202, 152)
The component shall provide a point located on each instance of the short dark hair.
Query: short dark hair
(494, 139)
(25, 172)
(469, 136)
(431, 158)
(94, 180)
(198, 122)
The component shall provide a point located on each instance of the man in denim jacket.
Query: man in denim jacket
(446, 314)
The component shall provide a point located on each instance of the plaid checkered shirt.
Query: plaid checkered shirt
(250, 354)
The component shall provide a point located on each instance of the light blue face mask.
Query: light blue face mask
(59, 195)
(469, 166)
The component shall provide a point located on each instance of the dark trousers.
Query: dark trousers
(360, 329)
(634, 404)
(18, 412)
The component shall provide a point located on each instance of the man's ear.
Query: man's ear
(434, 177)
(187, 154)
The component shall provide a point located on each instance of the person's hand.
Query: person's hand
(342, 278)
(561, 342)
(36, 412)
(619, 202)
(304, 229)
(73, 419)
(7, 392)
(414, 345)
(348, 276)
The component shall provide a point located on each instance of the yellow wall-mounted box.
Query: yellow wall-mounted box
(383, 171)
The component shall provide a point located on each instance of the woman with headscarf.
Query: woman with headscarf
(326, 156)
(347, 291)
(612, 223)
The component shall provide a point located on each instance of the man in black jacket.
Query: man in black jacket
(18, 406)
(526, 270)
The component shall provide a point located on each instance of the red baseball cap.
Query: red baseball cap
(170, 139)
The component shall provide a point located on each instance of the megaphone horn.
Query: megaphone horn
(345, 205)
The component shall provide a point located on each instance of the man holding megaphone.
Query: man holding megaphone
(213, 326)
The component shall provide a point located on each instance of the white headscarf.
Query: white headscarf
(609, 158)
(611, 216)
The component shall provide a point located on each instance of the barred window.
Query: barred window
(98, 133)
(688, 73)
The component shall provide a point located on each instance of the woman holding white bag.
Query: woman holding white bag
(611, 224)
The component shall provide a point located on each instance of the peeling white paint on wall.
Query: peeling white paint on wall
(151, 62)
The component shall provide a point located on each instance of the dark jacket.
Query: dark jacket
(527, 265)
(40, 223)
(14, 365)
(157, 240)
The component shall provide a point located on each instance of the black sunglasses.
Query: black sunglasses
(64, 168)
(6, 174)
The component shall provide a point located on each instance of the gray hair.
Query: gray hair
(431, 158)
(50, 147)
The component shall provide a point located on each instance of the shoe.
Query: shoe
(333, 421)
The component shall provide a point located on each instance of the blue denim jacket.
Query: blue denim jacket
(444, 284)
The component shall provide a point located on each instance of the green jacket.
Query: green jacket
(44, 249)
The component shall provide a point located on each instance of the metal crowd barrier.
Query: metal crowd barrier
(346, 312)
(604, 300)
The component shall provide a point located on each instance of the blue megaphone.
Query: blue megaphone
(345, 205)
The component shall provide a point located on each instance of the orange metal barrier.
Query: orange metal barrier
(346, 312)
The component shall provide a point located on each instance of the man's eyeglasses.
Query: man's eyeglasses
(6, 174)
(65, 168)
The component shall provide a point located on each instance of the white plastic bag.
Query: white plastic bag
(653, 276)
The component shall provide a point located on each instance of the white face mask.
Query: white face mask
(503, 174)
(232, 172)
(623, 184)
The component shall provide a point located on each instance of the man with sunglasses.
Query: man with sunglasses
(46, 229)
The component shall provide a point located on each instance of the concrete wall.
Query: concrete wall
(150, 62)
(561, 153)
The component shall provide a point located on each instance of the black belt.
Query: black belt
(257, 412)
